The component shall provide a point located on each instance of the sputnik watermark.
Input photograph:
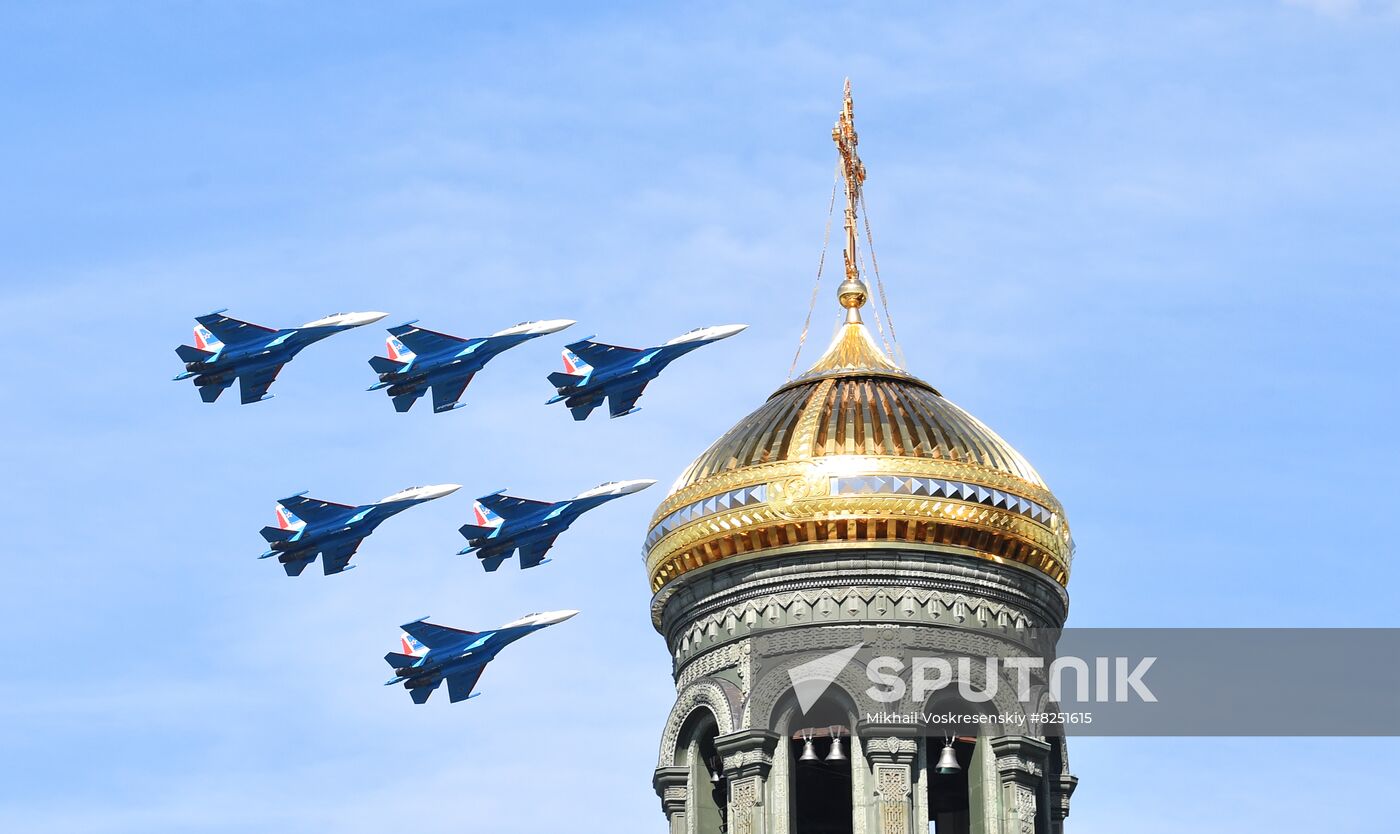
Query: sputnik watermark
(1093, 681)
(893, 679)
(1112, 681)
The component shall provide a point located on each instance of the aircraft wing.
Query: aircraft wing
(336, 559)
(313, 509)
(433, 635)
(492, 560)
(232, 331)
(582, 411)
(253, 385)
(420, 695)
(296, 566)
(403, 402)
(507, 506)
(533, 554)
(622, 400)
(600, 355)
(448, 392)
(426, 342)
(460, 685)
(210, 393)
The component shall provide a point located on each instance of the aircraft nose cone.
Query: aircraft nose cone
(346, 320)
(440, 490)
(724, 331)
(637, 486)
(552, 617)
(555, 325)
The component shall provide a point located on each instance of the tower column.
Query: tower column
(1062, 786)
(1020, 765)
(893, 755)
(672, 785)
(748, 758)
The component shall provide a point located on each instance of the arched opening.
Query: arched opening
(819, 749)
(952, 749)
(707, 799)
(949, 794)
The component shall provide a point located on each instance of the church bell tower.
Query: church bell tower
(856, 505)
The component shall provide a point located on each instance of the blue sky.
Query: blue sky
(1153, 246)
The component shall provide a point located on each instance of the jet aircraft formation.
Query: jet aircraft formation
(226, 350)
(418, 360)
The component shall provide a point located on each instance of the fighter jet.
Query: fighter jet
(505, 524)
(593, 370)
(226, 349)
(308, 526)
(421, 359)
(433, 653)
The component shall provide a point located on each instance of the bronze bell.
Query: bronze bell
(716, 767)
(809, 753)
(835, 755)
(948, 760)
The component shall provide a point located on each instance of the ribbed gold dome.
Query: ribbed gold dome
(858, 452)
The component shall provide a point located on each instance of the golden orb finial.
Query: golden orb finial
(852, 295)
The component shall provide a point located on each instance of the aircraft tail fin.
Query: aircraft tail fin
(575, 365)
(411, 646)
(562, 381)
(205, 340)
(421, 694)
(277, 534)
(287, 520)
(194, 354)
(385, 365)
(398, 351)
(400, 661)
(485, 517)
(474, 531)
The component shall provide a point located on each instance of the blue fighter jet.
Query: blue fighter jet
(505, 524)
(307, 527)
(421, 359)
(593, 370)
(433, 653)
(226, 349)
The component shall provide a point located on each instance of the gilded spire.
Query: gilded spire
(852, 292)
(853, 351)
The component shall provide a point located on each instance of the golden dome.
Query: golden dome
(857, 452)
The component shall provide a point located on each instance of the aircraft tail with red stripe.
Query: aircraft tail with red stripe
(486, 522)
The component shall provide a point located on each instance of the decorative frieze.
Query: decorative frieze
(891, 748)
(855, 605)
